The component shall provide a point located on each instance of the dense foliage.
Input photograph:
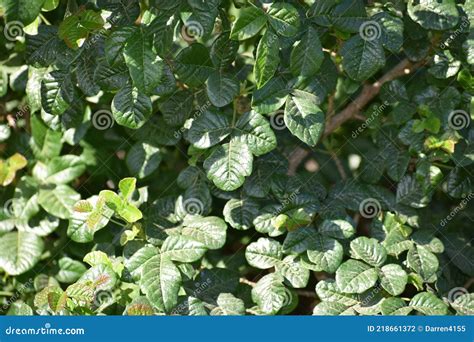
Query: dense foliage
(229, 157)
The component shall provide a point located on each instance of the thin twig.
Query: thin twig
(248, 282)
(368, 93)
(295, 159)
(339, 166)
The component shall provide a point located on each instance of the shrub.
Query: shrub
(236, 157)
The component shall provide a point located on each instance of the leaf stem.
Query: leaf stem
(46, 21)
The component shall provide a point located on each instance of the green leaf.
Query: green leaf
(46, 143)
(292, 269)
(222, 88)
(224, 50)
(183, 248)
(270, 97)
(160, 282)
(339, 229)
(299, 240)
(355, 277)
(25, 11)
(434, 15)
(325, 253)
(19, 252)
(349, 15)
(264, 253)
(57, 300)
(69, 270)
(368, 250)
(393, 279)
(145, 67)
(253, 130)
(228, 165)
(57, 92)
(328, 291)
(428, 304)
(193, 65)
(362, 58)
(267, 58)
(423, 262)
(100, 277)
(304, 118)
(391, 31)
(249, 23)
(81, 293)
(270, 294)
(240, 213)
(229, 305)
(284, 19)
(395, 306)
(131, 108)
(143, 159)
(209, 129)
(58, 201)
(88, 217)
(464, 304)
(20, 309)
(307, 55)
(115, 44)
(210, 231)
(329, 309)
(127, 187)
(63, 169)
(76, 27)
(135, 263)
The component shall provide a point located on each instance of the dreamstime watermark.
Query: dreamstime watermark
(13, 30)
(200, 288)
(8, 208)
(102, 33)
(46, 330)
(369, 208)
(456, 293)
(192, 30)
(379, 110)
(20, 113)
(102, 120)
(373, 292)
(460, 30)
(197, 113)
(193, 206)
(277, 120)
(459, 119)
(370, 30)
(17, 295)
(457, 209)
(288, 200)
(103, 298)
(285, 299)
